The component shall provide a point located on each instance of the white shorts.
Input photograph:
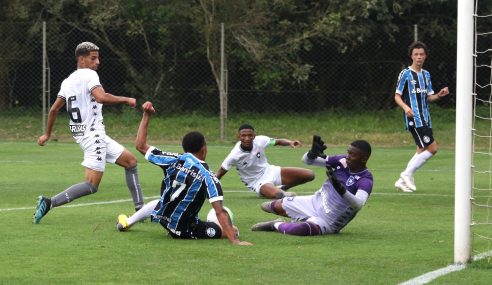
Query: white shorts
(306, 208)
(272, 175)
(99, 150)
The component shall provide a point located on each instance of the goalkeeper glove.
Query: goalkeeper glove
(317, 148)
(334, 181)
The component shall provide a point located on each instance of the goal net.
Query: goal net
(481, 198)
(473, 160)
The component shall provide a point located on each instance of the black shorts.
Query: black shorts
(199, 230)
(422, 136)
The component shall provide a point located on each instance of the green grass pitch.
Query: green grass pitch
(396, 236)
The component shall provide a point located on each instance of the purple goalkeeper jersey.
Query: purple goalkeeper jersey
(335, 210)
(352, 181)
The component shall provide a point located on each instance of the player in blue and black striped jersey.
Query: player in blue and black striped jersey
(413, 92)
(186, 184)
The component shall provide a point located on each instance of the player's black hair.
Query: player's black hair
(85, 49)
(417, 44)
(246, 127)
(362, 145)
(193, 142)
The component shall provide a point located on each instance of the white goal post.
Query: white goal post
(464, 115)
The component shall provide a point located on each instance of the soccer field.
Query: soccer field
(396, 236)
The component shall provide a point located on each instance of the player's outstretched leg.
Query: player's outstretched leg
(299, 229)
(122, 224)
(42, 208)
(266, 226)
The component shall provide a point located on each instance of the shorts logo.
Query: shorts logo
(211, 232)
(426, 139)
(410, 124)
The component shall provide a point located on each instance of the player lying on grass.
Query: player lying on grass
(187, 182)
(332, 207)
(249, 158)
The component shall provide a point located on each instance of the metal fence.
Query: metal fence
(362, 78)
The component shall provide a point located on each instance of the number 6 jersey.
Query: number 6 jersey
(85, 113)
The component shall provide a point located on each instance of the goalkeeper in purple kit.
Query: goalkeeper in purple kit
(335, 204)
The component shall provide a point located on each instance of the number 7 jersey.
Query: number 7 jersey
(84, 112)
(186, 184)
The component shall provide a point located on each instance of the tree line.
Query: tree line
(296, 55)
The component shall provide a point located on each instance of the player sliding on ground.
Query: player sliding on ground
(187, 182)
(332, 207)
(249, 158)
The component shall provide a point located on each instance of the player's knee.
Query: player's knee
(127, 159)
(132, 168)
(278, 195)
(433, 149)
(92, 188)
(310, 175)
(132, 162)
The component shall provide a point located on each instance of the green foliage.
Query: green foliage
(271, 41)
(338, 127)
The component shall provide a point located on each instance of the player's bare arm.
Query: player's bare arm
(287, 142)
(106, 98)
(442, 93)
(141, 139)
(226, 224)
(221, 172)
(404, 106)
(55, 108)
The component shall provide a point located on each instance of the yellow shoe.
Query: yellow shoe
(122, 224)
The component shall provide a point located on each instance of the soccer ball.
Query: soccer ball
(211, 217)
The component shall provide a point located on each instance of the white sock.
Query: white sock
(418, 162)
(409, 164)
(143, 213)
(276, 225)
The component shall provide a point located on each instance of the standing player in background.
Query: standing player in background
(248, 156)
(187, 182)
(332, 207)
(413, 91)
(84, 97)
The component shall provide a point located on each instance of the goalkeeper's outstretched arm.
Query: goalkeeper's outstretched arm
(318, 161)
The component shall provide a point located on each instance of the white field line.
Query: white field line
(431, 276)
(77, 205)
(227, 191)
(422, 279)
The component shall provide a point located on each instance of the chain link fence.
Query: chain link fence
(361, 78)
